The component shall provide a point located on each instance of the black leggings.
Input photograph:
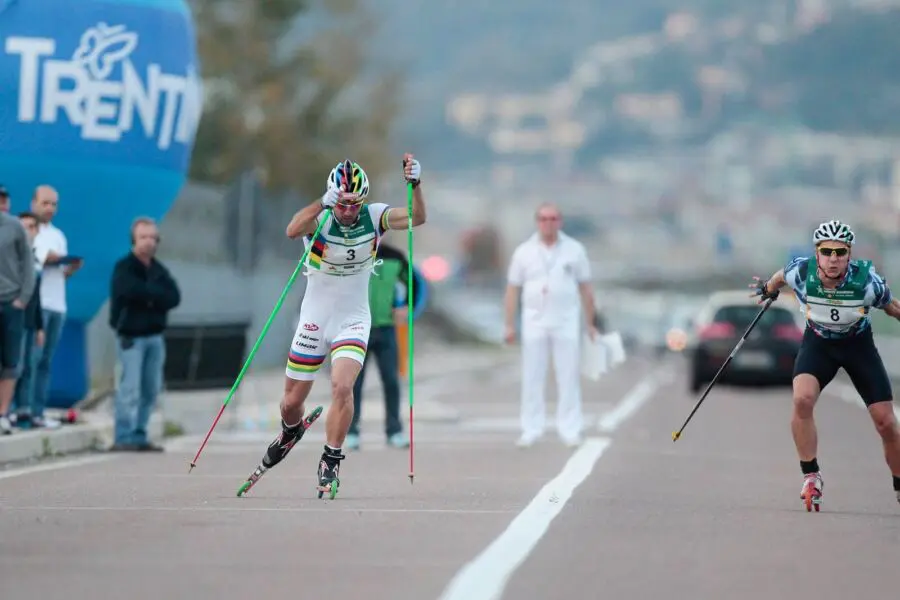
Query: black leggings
(821, 358)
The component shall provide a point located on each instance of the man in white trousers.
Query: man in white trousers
(551, 273)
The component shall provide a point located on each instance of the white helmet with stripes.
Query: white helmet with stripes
(833, 231)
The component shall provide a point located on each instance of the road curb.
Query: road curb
(94, 434)
(29, 445)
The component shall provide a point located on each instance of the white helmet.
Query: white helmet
(833, 231)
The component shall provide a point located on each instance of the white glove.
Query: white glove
(331, 196)
(412, 170)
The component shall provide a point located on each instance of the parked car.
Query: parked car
(767, 356)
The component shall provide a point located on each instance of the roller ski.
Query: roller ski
(811, 492)
(279, 448)
(329, 469)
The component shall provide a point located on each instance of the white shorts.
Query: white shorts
(327, 326)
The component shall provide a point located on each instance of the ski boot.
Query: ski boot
(279, 448)
(811, 492)
(329, 469)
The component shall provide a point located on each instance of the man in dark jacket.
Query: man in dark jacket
(33, 337)
(383, 343)
(142, 294)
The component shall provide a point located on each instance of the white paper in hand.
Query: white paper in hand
(615, 349)
(593, 357)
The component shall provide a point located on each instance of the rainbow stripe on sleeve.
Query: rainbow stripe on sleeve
(383, 222)
(317, 252)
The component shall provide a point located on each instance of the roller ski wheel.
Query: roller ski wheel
(329, 473)
(812, 493)
(307, 422)
(251, 481)
(329, 488)
(811, 503)
(311, 417)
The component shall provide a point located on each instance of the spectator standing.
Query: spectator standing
(383, 286)
(142, 294)
(16, 288)
(4, 200)
(32, 336)
(551, 273)
(50, 248)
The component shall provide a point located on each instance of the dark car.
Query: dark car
(766, 357)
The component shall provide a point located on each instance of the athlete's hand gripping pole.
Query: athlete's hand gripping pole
(677, 434)
(259, 340)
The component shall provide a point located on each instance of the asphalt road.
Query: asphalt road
(630, 514)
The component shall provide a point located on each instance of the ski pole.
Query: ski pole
(409, 316)
(677, 434)
(259, 339)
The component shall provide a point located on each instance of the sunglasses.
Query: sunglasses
(834, 251)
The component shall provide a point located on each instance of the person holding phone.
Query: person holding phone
(52, 251)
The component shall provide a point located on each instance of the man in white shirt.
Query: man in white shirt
(551, 273)
(50, 246)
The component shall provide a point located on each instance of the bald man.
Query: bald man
(50, 246)
(551, 273)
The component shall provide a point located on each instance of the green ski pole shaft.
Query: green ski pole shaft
(259, 340)
(409, 316)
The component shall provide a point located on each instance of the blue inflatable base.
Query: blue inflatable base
(69, 379)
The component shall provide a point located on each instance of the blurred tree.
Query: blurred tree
(285, 92)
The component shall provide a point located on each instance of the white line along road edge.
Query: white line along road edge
(485, 577)
(55, 466)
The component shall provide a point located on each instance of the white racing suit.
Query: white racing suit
(334, 316)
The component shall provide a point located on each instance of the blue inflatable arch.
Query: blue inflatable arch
(102, 102)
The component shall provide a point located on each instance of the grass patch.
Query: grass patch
(172, 429)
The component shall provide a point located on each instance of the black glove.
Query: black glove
(763, 291)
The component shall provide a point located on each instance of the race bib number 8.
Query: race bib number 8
(835, 315)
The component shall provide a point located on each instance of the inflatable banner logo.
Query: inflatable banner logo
(98, 89)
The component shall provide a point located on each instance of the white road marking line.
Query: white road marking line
(485, 577)
(848, 393)
(632, 401)
(54, 466)
(263, 509)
